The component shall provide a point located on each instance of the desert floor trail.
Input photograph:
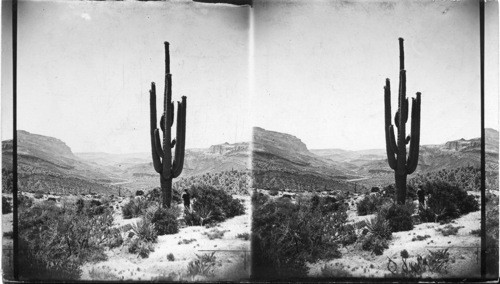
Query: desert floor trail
(232, 254)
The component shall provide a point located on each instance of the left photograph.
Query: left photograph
(133, 136)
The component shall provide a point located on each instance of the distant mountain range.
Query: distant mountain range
(282, 160)
(47, 162)
(279, 160)
(451, 154)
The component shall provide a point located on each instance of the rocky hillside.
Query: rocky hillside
(283, 161)
(47, 163)
(137, 169)
(451, 154)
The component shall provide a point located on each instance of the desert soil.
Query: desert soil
(232, 254)
(462, 247)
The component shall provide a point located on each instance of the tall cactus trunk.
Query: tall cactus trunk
(166, 192)
(400, 188)
(162, 155)
(396, 151)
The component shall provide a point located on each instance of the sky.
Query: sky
(320, 68)
(85, 69)
(314, 69)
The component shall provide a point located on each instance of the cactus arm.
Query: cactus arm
(152, 105)
(388, 145)
(415, 137)
(159, 150)
(181, 138)
(391, 156)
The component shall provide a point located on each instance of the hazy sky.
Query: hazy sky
(85, 68)
(321, 66)
(314, 69)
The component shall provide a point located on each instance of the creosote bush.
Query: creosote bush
(6, 208)
(54, 241)
(211, 206)
(134, 208)
(398, 216)
(447, 201)
(286, 235)
(370, 204)
(164, 220)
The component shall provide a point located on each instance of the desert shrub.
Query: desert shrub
(273, 192)
(134, 208)
(370, 204)
(259, 198)
(203, 265)
(145, 230)
(35, 266)
(215, 205)
(215, 234)
(186, 241)
(398, 216)
(24, 201)
(166, 278)
(326, 204)
(348, 235)
(389, 191)
(142, 247)
(449, 230)
(492, 237)
(374, 243)
(435, 261)
(377, 235)
(164, 220)
(286, 235)
(243, 236)
(420, 238)
(192, 218)
(80, 204)
(329, 271)
(6, 208)
(379, 227)
(170, 257)
(426, 215)
(56, 241)
(38, 195)
(7, 180)
(476, 232)
(154, 195)
(448, 201)
(102, 274)
(115, 238)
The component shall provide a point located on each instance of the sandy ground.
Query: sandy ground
(232, 254)
(463, 249)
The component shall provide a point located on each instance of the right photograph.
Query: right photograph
(366, 149)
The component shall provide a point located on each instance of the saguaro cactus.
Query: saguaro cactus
(396, 151)
(162, 156)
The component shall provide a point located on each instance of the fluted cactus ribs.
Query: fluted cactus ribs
(162, 156)
(396, 151)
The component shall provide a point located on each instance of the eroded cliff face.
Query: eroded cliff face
(226, 148)
(47, 148)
